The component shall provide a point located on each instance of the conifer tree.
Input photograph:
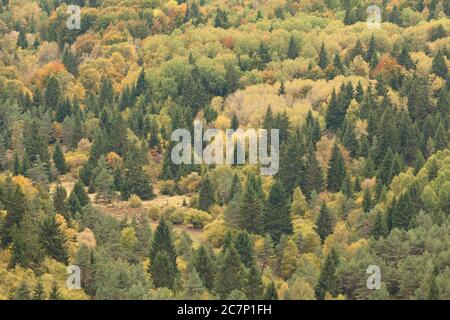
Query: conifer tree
(377, 228)
(60, 201)
(439, 66)
(253, 285)
(335, 114)
(163, 264)
(16, 206)
(371, 54)
(207, 196)
(59, 160)
(194, 286)
(244, 248)
(293, 49)
(252, 206)
(22, 41)
(79, 193)
(53, 240)
(324, 223)
(16, 164)
(70, 61)
(440, 137)
(26, 250)
(336, 170)
(22, 292)
(367, 200)
(54, 292)
(323, 57)
(39, 293)
(204, 264)
(52, 93)
(313, 179)
(231, 273)
(277, 216)
(271, 292)
(328, 279)
(263, 53)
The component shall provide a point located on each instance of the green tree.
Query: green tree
(271, 292)
(439, 66)
(54, 292)
(59, 160)
(336, 170)
(39, 293)
(204, 263)
(277, 214)
(324, 223)
(22, 41)
(253, 286)
(328, 279)
(231, 273)
(252, 205)
(293, 48)
(52, 93)
(207, 196)
(60, 201)
(22, 292)
(53, 240)
(323, 57)
(244, 246)
(79, 193)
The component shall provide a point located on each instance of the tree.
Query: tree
(367, 200)
(38, 173)
(244, 247)
(293, 49)
(336, 170)
(26, 251)
(277, 214)
(299, 204)
(163, 258)
(16, 164)
(439, 66)
(252, 205)
(323, 57)
(35, 141)
(54, 292)
(204, 264)
(335, 114)
(324, 223)
(135, 181)
(230, 275)
(79, 193)
(60, 201)
(194, 286)
(16, 206)
(59, 160)
(53, 240)
(70, 61)
(271, 292)
(22, 41)
(22, 292)
(39, 293)
(52, 93)
(207, 194)
(103, 182)
(253, 286)
(263, 53)
(328, 279)
(377, 228)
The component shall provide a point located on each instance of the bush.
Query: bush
(189, 183)
(198, 218)
(135, 201)
(154, 213)
(168, 187)
(177, 216)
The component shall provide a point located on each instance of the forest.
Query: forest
(87, 179)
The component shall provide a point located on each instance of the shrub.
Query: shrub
(177, 216)
(154, 213)
(198, 218)
(168, 187)
(135, 201)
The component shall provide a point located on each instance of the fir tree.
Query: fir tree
(277, 217)
(231, 273)
(323, 57)
(206, 195)
(271, 292)
(328, 279)
(53, 240)
(22, 292)
(204, 264)
(52, 93)
(244, 247)
(324, 223)
(39, 293)
(335, 114)
(70, 61)
(439, 66)
(79, 192)
(54, 292)
(252, 206)
(253, 285)
(60, 201)
(22, 41)
(367, 200)
(293, 48)
(16, 164)
(59, 160)
(336, 170)
(377, 228)
(163, 264)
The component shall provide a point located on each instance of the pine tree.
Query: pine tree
(271, 292)
(103, 182)
(26, 251)
(35, 141)
(163, 264)
(60, 201)
(293, 48)
(244, 247)
(15, 204)
(194, 286)
(336, 170)
(22, 41)
(85, 260)
(52, 93)
(371, 54)
(252, 206)
(323, 57)
(440, 137)
(367, 200)
(377, 228)
(106, 94)
(22, 292)
(335, 114)
(39, 293)
(324, 223)
(328, 279)
(207, 194)
(16, 164)
(263, 53)
(59, 160)
(231, 273)
(70, 61)
(54, 293)
(53, 240)
(439, 66)
(313, 179)
(204, 264)
(277, 216)
(79, 193)
(254, 286)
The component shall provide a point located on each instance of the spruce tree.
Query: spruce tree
(253, 285)
(335, 114)
(323, 57)
(231, 273)
(271, 292)
(252, 206)
(59, 160)
(207, 194)
(324, 223)
(293, 49)
(22, 41)
(244, 247)
(79, 192)
(52, 93)
(22, 292)
(135, 181)
(54, 292)
(163, 264)
(377, 228)
(367, 200)
(16, 164)
(328, 279)
(336, 170)
(439, 66)
(277, 216)
(60, 201)
(39, 293)
(204, 264)
(70, 61)
(53, 240)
